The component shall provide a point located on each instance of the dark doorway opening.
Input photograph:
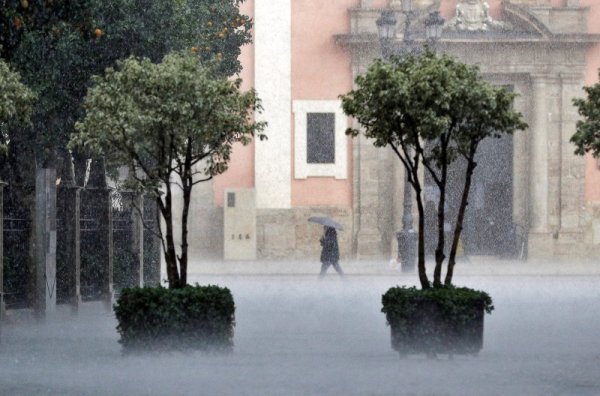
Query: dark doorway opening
(488, 228)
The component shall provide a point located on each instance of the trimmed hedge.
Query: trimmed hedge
(438, 320)
(193, 317)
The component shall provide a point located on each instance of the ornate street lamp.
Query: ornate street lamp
(434, 23)
(386, 27)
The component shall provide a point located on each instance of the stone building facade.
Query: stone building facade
(306, 53)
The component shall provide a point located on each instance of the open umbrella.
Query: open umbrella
(326, 221)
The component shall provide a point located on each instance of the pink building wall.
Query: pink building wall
(241, 166)
(321, 71)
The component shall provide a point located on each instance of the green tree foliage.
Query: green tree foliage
(587, 136)
(153, 28)
(32, 35)
(15, 102)
(173, 124)
(58, 45)
(20, 17)
(430, 109)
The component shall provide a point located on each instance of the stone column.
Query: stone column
(572, 166)
(45, 237)
(554, 155)
(521, 157)
(540, 242)
(69, 207)
(538, 198)
(366, 180)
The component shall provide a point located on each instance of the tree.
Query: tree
(58, 45)
(430, 109)
(44, 41)
(587, 136)
(15, 102)
(174, 124)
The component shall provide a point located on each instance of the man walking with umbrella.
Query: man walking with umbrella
(330, 255)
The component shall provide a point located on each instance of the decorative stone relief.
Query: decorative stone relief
(472, 15)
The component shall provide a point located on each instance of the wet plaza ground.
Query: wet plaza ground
(299, 335)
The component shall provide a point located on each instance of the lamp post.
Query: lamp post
(386, 28)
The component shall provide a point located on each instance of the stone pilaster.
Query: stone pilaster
(554, 153)
(366, 180)
(540, 243)
(521, 164)
(572, 166)
(538, 198)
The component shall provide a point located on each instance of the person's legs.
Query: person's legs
(337, 267)
(324, 267)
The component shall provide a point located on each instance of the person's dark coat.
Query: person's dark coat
(330, 252)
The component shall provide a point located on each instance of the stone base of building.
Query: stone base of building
(369, 246)
(287, 234)
(556, 244)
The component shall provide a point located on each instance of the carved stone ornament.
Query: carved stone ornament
(472, 15)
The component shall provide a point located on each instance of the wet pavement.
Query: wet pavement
(300, 335)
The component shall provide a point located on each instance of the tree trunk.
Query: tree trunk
(439, 250)
(421, 241)
(461, 216)
(183, 260)
(170, 252)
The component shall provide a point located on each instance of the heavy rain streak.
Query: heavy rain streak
(295, 197)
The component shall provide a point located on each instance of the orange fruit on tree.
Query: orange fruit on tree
(98, 32)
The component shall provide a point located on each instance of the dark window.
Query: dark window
(320, 138)
(231, 200)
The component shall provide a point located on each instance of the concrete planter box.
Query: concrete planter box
(431, 327)
(189, 318)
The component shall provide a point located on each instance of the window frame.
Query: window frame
(302, 169)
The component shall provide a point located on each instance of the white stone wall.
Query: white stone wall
(273, 68)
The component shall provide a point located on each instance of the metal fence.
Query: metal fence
(17, 233)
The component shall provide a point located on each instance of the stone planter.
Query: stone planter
(189, 318)
(421, 324)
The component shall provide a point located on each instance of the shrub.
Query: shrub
(437, 320)
(192, 317)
